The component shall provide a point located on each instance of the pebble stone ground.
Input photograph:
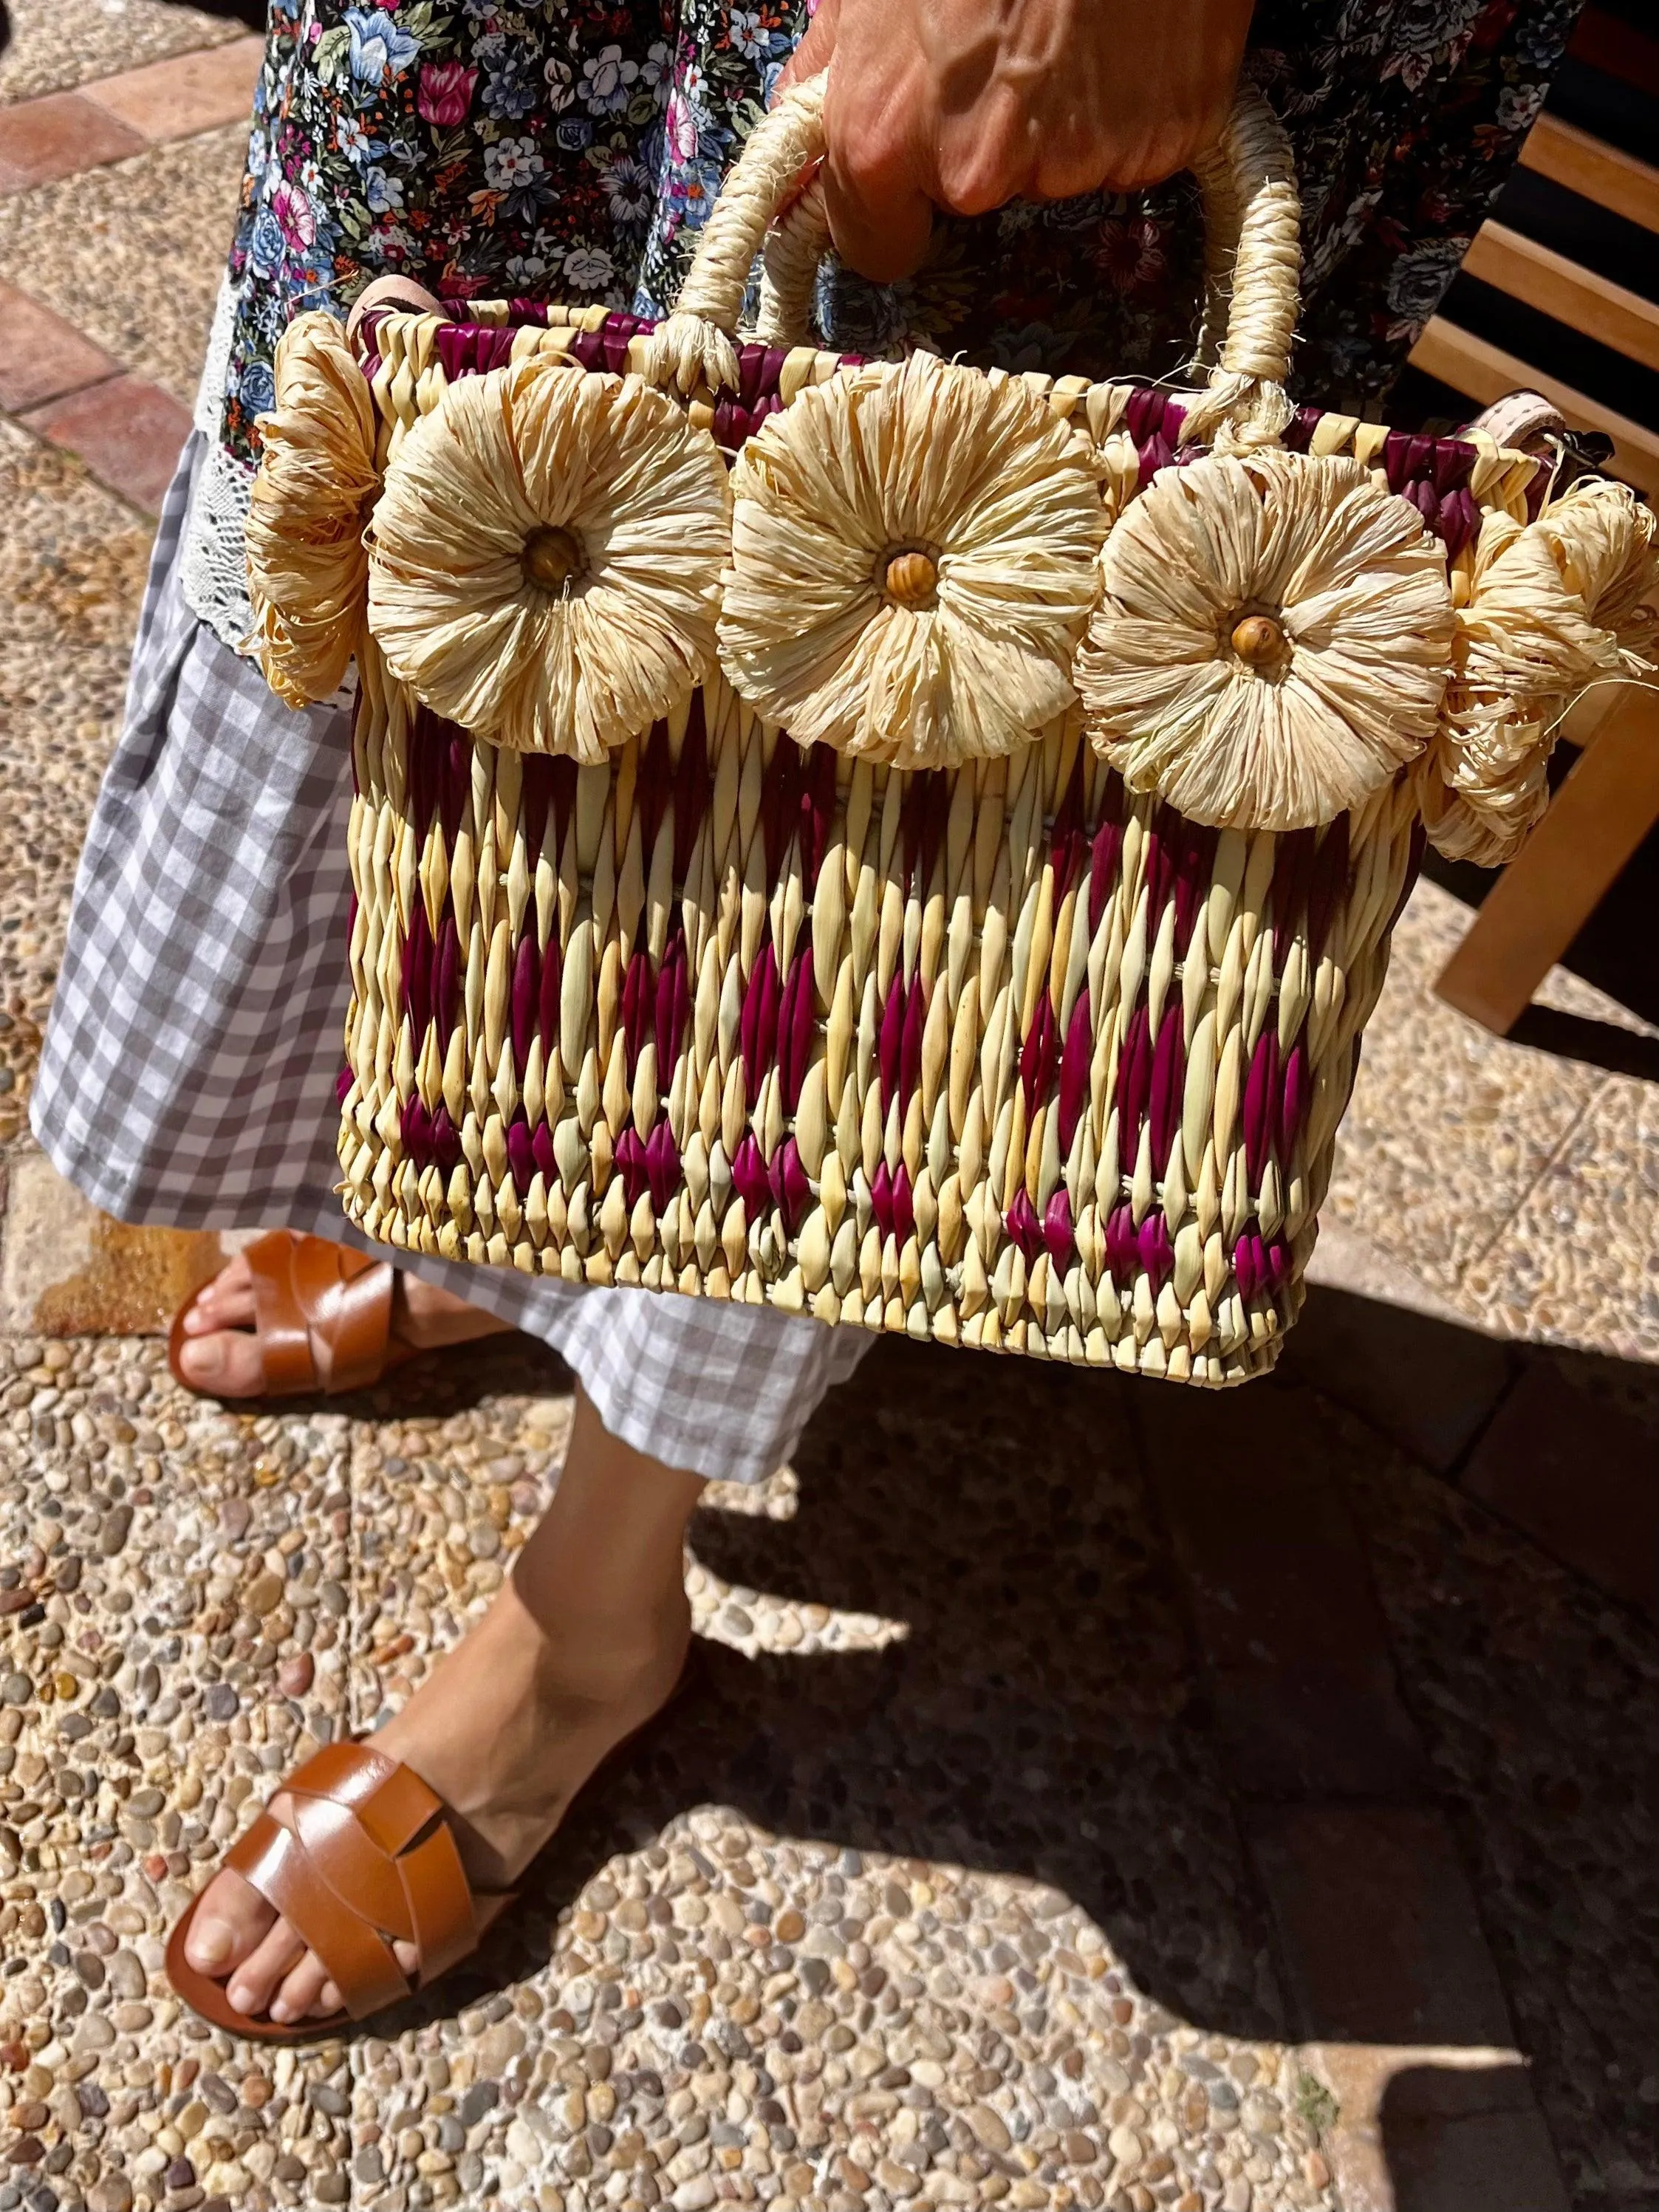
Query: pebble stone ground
(1093, 1794)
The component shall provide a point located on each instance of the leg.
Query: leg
(584, 1643)
(1592, 826)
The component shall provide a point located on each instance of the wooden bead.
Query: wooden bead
(1259, 640)
(551, 557)
(911, 578)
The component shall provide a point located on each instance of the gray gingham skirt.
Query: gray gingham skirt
(187, 1076)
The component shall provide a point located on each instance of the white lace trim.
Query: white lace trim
(213, 557)
(210, 408)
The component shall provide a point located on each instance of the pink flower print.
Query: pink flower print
(445, 91)
(681, 127)
(295, 218)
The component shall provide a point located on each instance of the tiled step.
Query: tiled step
(65, 133)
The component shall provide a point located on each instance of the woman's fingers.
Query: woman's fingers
(880, 220)
(966, 105)
(876, 174)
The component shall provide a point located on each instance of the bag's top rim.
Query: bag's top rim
(1434, 473)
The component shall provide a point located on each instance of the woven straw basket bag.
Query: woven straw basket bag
(892, 841)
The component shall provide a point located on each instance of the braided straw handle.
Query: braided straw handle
(1253, 263)
(796, 243)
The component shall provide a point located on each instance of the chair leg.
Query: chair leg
(1531, 915)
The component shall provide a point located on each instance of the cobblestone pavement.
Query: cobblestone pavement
(1095, 1795)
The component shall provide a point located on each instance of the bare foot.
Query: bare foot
(584, 1643)
(220, 1351)
(553, 1713)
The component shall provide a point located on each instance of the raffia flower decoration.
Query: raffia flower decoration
(1553, 606)
(545, 560)
(1272, 642)
(307, 568)
(912, 563)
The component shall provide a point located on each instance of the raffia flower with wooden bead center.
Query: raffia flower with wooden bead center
(1272, 642)
(1553, 606)
(912, 564)
(545, 560)
(306, 569)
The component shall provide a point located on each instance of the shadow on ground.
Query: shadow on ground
(1064, 1706)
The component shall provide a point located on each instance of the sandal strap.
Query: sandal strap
(358, 1960)
(369, 1859)
(323, 1312)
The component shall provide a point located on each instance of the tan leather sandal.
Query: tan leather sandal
(322, 1319)
(369, 1859)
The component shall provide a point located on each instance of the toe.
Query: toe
(228, 1926)
(228, 1363)
(301, 1992)
(254, 1983)
(225, 1302)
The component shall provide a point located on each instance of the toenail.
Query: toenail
(281, 2011)
(210, 1946)
(240, 1998)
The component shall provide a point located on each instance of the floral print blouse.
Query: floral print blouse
(570, 149)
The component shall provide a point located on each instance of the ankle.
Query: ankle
(607, 1655)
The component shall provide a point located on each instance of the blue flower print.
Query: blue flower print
(572, 133)
(257, 388)
(513, 168)
(509, 93)
(384, 194)
(607, 80)
(380, 46)
(264, 245)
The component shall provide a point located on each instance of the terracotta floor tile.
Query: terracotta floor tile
(1377, 1926)
(128, 432)
(57, 44)
(184, 94)
(149, 301)
(41, 356)
(1577, 1475)
(58, 136)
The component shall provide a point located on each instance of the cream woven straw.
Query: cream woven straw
(907, 844)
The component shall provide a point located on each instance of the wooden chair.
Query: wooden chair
(1610, 800)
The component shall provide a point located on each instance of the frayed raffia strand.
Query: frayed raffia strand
(1223, 213)
(694, 347)
(794, 245)
(307, 571)
(1245, 403)
(1354, 662)
(1553, 604)
(997, 507)
(605, 472)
